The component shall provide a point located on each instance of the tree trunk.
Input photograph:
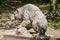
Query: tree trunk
(53, 7)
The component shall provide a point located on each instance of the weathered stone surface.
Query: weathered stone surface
(22, 37)
(23, 31)
(16, 37)
(11, 35)
(31, 30)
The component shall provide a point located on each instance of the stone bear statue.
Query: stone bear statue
(31, 13)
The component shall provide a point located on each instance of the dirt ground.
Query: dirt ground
(49, 32)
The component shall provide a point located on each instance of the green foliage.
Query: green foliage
(35, 1)
(54, 21)
(1, 1)
(54, 24)
(58, 1)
